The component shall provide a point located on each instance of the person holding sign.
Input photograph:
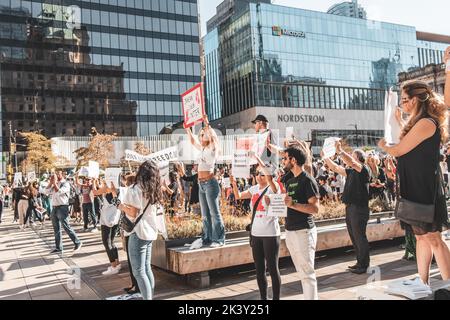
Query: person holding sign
(419, 175)
(302, 201)
(109, 221)
(262, 129)
(142, 204)
(356, 199)
(209, 189)
(265, 230)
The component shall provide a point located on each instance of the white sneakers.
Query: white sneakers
(112, 270)
(216, 245)
(197, 244)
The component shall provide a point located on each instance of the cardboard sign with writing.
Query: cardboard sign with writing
(329, 147)
(31, 176)
(241, 164)
(17, 178)
(193, 103)
(112, 176)
(277, 207)
(392, 129)
(94, 169)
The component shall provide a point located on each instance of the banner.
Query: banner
(277, 207)
(241, 164)
(329, 147)
(392, 128)
(94, 169)
(193, 103)
(166, 155)
(112, 175)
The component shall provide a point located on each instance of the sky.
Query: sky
(426, 15)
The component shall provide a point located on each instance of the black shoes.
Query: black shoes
(353, 267)
(359, 270)
(55, 251)
(77, 247)
(130, 290)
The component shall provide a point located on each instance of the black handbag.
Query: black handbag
(255, 206)
(414, 213)
(127, 225)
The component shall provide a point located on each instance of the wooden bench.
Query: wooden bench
(196, 264)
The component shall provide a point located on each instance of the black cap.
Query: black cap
(260, 118)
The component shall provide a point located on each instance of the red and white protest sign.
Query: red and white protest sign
(193, 102)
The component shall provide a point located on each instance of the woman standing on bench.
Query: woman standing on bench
(209, 189)
(265, 230)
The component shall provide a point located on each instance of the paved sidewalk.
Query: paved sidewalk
(30, 272)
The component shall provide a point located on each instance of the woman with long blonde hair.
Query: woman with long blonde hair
(418, 168)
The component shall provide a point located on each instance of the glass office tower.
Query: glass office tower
(278, 56)
(117, 65)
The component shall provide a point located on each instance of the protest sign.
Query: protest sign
(392, 129)
(94, 169)
(277, 207)
(241, 164)
(193, 103)
(112, 176)
(31, 176)
(166, 155)
(290, 133)
(329, 147)
(17, 178)
(226, 183)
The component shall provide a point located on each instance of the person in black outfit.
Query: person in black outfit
(377, 179)
(420, 179)
(356, 199)
(16, 196)
(194, 198)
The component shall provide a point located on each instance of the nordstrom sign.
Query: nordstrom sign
(278, 31)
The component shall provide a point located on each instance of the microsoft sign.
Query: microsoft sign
(278, 31)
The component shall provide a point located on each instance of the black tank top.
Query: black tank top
(418, 168)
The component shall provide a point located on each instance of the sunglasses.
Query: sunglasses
(260, 174)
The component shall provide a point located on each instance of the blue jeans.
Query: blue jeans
(213, 226)
(140, 252)
(60, 215)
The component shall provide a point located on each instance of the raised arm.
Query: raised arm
(193, 139)
(334, 167)
(239, 195)
(348, 159)
(423, 130)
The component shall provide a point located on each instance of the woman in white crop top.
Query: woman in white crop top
(209, 190)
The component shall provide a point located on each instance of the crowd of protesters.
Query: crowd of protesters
(415, 170)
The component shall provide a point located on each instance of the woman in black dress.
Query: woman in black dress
(418, 162)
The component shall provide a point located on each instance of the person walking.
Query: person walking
(87, 203)
(420, 180)
(356, 199)
(58, 189)
(109, 222)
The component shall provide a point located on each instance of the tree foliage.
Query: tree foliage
(100, 149)
(40, 156)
